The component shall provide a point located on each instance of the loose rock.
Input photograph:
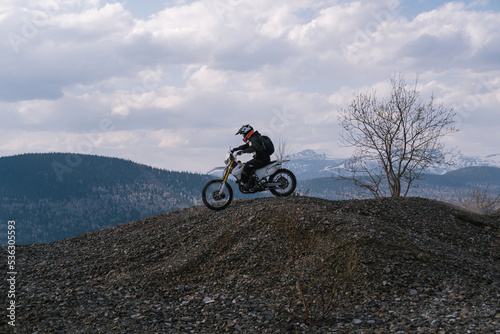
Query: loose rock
(428, 268)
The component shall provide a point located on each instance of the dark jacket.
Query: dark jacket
(256, 146)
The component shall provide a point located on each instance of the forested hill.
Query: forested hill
(57, 195)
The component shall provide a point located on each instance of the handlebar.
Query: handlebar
(233, 155)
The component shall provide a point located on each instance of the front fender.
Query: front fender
(216, 169)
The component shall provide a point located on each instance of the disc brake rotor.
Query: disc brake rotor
(216, 195)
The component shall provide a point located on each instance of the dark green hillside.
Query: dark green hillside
(481, 174)
(62, 176)
(57, 195)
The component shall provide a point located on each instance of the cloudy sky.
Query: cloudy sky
(168, 83)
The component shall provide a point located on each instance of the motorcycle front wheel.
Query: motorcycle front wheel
(287, 182)
(214, 198)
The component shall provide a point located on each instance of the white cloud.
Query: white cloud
(36, 111)
(180, 82)
(208, 79)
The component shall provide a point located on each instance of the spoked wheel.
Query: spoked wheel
(287, 182)
(216, 195)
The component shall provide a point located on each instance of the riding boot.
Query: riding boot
(244, 178)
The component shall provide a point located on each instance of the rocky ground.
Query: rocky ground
(425, 267)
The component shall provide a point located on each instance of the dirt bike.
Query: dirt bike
(218, 194)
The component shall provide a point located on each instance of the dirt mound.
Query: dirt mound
(426, 266)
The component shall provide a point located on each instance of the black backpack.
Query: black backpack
(268, 145)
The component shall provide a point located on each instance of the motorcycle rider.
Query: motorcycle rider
(253, 144)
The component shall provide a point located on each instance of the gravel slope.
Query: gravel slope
(427, 267)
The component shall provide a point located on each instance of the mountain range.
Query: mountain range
(310, 164)
(453, 187)
(54, 196)
(316, 171)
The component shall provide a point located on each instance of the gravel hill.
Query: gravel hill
(426, 267)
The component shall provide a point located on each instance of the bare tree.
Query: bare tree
(281, 149)
(395, 139)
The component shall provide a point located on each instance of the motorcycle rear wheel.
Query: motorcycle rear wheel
(213, 198)
(287, 181)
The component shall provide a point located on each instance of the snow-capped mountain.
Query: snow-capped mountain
(462, 161)
(309, 164)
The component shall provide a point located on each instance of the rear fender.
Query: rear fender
(268, 170)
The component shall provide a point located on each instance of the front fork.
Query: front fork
(225, 176)
(222, 187)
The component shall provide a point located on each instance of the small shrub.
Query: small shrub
(479, 200)
(300, 193)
